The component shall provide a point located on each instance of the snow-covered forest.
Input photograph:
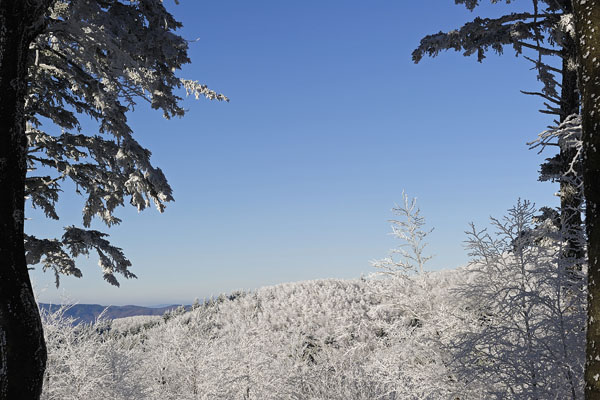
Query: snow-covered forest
(510, 324)
(507, 326)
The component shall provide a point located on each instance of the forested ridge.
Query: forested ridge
(502, 327)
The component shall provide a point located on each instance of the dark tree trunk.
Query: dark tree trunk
(587, 27)
(571, 195)
(22, 347)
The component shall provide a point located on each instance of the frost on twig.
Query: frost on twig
(566, 168)
(524, 337)
(409, 256)
(199, 90)
(567, 135)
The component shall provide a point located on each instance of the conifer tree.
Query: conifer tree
(61, 60)
(587, 28)
(546, 34)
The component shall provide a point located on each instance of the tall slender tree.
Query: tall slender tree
(587, 28)
(61, 60)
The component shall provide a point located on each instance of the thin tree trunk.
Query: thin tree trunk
(587, 27)
(22, 347)
(571, 196)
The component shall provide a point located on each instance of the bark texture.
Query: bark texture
(570, 192)
(587, 27)
(22, 347)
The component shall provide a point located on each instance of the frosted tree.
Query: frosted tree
(89, 361)
(325, 339)
(418, 313)
(409, 256)
(61, 60)
(524, 337)
(407, 259)
(545, 36)
(587, 32)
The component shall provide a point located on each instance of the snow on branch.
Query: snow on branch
(410, 231)
(525, 338)
(199, 90)
(481, 34)
(51, 254)
(567, 135)
(59, 255)
(111, 259)
(97, 59)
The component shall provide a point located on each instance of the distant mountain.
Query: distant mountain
(89, 312)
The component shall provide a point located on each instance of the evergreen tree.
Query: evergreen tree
(587, 29)
(61, 60)
(547, 33)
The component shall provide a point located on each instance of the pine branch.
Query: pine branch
(546, 66)
(543, 50)
(550, 112)
(553, 100)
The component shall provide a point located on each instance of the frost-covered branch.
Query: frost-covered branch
(567, 136)
(483, 34)
(59, 255)
(546, 31)
(410, 231)
(525, 339)
(96, 59)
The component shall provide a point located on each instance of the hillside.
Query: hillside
(88, 313)
(470, 333)
(322, 339)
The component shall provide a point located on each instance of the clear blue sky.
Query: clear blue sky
(329, 121)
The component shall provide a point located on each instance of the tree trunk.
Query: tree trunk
(22, 347)
(571, 196)
(587, 28)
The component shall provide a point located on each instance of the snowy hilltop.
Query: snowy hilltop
(326, 339)
(506, 326)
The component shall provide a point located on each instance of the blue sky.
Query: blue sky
(329, 121)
